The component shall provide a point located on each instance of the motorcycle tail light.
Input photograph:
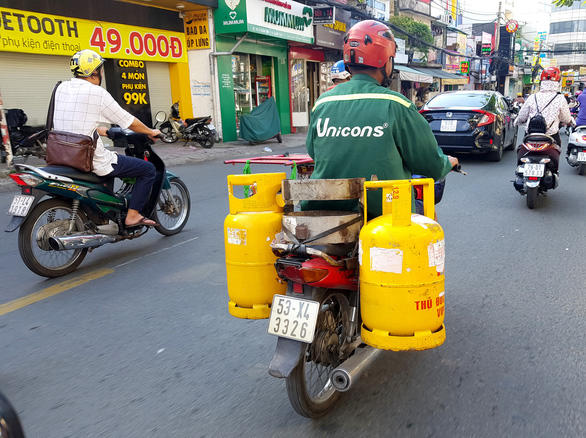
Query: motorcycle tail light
(525, 160)
(538, 146)
(545, 160)
(312, 275)
(486, 119)
(25, 179)
(533, 178)
(584, 138)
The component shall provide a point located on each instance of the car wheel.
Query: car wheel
(495, 155)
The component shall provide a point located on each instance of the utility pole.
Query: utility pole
(497, 44)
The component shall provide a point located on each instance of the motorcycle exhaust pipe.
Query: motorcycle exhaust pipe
(80, 241)
(347, 373)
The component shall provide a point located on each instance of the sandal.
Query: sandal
(143, 222)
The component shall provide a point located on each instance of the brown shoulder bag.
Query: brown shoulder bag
(67, 148)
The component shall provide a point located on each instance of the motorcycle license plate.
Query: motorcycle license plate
(211, 127)
(581, 157)
(21, 204)
(533, 169)
(293, 318)
(448, 125)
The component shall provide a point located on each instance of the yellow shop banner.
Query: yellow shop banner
(31, 32)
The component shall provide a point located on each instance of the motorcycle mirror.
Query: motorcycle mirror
(160, 116)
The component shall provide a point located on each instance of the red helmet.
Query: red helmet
(369, 43)
(551, 74)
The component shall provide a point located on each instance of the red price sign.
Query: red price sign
(143, 45)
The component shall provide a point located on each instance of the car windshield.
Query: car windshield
(465, 100)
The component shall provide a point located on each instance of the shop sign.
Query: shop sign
(332, 35)
(32, 32)
(464, 67)
(127, 82)
(283, 19)
(197, 30)
(324, 15)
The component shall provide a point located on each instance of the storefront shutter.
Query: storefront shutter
(159, 87)
(26, 82)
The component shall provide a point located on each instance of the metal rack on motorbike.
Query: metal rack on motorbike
(336, 289)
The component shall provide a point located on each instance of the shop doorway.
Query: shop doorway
(253, 82)
(305, 89)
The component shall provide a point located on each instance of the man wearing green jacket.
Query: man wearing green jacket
(362, 129)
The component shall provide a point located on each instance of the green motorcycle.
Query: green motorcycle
(63, 212)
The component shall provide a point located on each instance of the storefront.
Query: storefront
(251, 51)
(146, 61)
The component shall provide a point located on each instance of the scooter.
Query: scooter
(25, 140)
(537, 166)
(83, 211)
(198, 129)
(10, 426)
(577, 149)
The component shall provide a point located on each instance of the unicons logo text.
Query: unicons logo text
(325, 130)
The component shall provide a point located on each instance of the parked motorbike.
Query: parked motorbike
(328, 327)
(198, 129)
(10, 426)
(577, 149)
(25, 140)
(537, 166)
(83, 212)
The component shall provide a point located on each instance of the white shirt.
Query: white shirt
(555, 112)
(79, 107)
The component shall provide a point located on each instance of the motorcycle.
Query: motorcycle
(537, 166)
(577, 149)
(320, 352)
(83, 212)
(199, 129)
(10, 426)
(25, 140)
(574, 110)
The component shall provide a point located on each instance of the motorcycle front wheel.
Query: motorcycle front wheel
(173, 208)
(309, 386)
(532, 197)
(50, 218)
(169, 135)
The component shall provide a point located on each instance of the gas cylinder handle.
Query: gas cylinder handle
(397, 196)
(266, 197)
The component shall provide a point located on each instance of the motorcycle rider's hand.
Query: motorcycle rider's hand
(453, 161)
(154, 134)
(102, 130)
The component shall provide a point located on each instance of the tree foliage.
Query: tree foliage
(566, 2)
(410, 26)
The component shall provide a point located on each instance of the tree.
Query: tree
(410, 26)
(567, 3)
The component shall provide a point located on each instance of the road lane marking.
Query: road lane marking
(58, 288)
(156, 252)
(50, 291)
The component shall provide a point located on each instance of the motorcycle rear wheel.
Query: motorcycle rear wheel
(172, 214)
(169, 135)
(309, 387)
(532, 197)
(208, 143)
(33, 243)
(10, 426)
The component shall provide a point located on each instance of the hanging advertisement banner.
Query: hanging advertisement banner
(287, 20)
(332, 35)
(32, 32)
(197, 34)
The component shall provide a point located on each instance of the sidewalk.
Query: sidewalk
(176, 154)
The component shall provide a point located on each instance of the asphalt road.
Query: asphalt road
(147, 349)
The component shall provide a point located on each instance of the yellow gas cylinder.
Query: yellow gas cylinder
(402, 271)
(248, 231)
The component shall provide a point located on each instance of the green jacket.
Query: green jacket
(360, 129)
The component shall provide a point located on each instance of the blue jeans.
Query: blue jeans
(143, 171)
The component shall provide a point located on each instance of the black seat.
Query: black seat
(77, 174)
(196, 120)
(537, 137)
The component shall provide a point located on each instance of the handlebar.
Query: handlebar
(458, 169)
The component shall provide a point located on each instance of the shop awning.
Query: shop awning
(409, 74)
(447, 78)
